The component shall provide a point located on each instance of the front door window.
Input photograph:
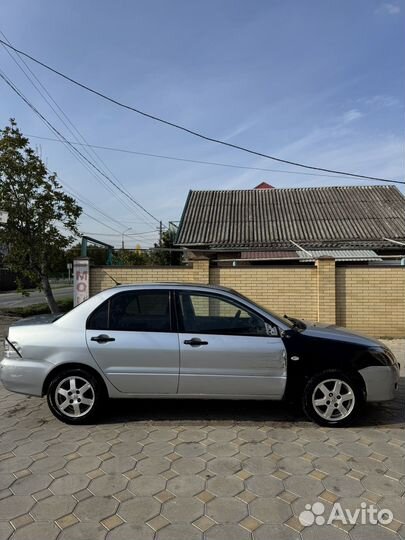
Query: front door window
(203, 313)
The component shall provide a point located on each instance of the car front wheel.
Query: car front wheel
(75, 396)
(332, 398)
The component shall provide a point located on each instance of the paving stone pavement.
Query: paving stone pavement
(155, 470)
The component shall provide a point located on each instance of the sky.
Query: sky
(320, 82)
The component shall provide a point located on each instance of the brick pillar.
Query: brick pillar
(201, 271)
(326, 276)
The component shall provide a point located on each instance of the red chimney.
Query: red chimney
(264, 185)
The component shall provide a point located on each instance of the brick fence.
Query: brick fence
(370, 299)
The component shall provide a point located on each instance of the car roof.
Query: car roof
(174, 284)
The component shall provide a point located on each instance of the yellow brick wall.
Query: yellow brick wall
(291, 290)
(368, 299)
(100, 275)
(371, 300)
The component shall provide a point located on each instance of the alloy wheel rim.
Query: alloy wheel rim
(74, 396)
(333, 399)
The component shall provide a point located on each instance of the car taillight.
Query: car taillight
(11, 349)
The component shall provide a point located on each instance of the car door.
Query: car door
(226, 349)
(132, 339)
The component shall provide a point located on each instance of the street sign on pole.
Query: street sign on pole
(69, 267)
(81, 275)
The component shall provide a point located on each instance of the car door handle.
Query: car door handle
(102, 338)
(195, 341)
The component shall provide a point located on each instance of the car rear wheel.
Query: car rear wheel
(75, 396)
(332, 398)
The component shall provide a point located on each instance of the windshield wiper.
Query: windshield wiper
(297, 323)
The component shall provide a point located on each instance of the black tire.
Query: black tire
(320, 413)
(76, 411)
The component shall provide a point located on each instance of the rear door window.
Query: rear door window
(134, 311)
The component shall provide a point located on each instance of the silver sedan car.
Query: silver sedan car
(192, 341)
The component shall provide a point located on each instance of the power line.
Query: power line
(15, 89)
(72, 191)
(201, 162)
(183, 128)
(78, 157)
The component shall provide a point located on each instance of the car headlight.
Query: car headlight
(384, 356)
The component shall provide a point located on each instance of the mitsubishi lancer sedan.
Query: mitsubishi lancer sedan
(192, 341)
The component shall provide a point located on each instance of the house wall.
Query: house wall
(365, 298)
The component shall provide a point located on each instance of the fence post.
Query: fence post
(201, 271)
(326, 289)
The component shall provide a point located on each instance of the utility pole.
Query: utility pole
(122, 237)
(160, 233)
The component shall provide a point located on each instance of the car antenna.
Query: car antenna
(112, 279)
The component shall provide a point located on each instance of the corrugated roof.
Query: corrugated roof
(340, 254)
(354, 216)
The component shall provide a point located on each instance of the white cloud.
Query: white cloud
(350, 116)
(389, 8)
(381, 101)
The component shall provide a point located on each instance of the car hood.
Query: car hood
(336, 333)
(46, 318)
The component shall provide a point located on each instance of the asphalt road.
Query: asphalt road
(14, 299)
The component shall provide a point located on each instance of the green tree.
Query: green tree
(166, 258)
(41, 217)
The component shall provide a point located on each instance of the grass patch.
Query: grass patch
(65, 304)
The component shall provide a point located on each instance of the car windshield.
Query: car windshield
(283, 320)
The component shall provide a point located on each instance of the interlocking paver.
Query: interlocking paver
(48, 464)
(15, 506)
(53, 508)
(83, 465)
(225, 486)
(227, 532)
(183, 509)
(383, 485)
(31, 484)
(96, 508)
(36, 531)
(186, 485)
(326, 531)
(147, 485)
(6, 480)
(131, 531)
(69, 484)
(265, 486)
(5, 530)
(270, 510)
(226, 510)
(288, 449)
(224, 466)
(139, 509)
(190, 449)
(372, 532)
(153, 465)
(260, 465)
(304, 485)
(118, 464)
(108, 484)
(14, 464)
(84, 531)
(179, 531)
(281, 532)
